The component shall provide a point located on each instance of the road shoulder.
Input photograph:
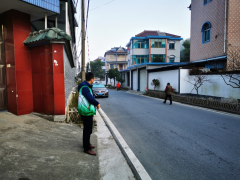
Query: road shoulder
(133, 162)
(112, 164)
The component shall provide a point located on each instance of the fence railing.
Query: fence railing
(233, 107)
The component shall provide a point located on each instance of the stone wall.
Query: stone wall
(69, 77)
(232, 107)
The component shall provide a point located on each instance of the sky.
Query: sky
(113, 24)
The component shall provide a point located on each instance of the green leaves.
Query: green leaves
(185, 53)
(114, 73)
(155, 82)
(96, 68)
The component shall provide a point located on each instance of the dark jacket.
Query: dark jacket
(168, 90)
(86, 93)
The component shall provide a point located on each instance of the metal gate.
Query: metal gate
(3, 90)
(135, 80)
(143, 80)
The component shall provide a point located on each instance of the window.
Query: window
(206, 2)
(140, 44)
(157, 57)
(139, 59)
(171, 60)
(171, 45)
(206, 32)
(157, 43)
(111, 66)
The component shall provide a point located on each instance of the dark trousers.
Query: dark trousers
(170, 98)
(87, 131)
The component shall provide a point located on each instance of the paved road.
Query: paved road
(178, 141)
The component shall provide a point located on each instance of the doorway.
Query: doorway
(3, 89)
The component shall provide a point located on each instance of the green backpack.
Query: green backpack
(84, 107)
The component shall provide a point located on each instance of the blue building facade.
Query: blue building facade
(51, 5)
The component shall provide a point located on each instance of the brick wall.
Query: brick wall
(214, 12)
(233, 35)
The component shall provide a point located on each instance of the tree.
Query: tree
(158, 59)
(96, 68)
(155, 83)
(120, 79)
(185, 53)
(113, 73)
(197, 79)
(231, 75)
(87, 67)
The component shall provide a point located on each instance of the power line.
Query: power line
(102, 5)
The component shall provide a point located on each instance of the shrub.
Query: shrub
(155, 83)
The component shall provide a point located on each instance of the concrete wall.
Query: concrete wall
(164, 77)
(126, 79)
(157, 50)
(140, 52)
(217, 88)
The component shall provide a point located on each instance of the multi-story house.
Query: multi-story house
(215, 33)
(154, 46)
(147, 50)
(116, 58)
(37, 56)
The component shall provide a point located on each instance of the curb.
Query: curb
(137, 168)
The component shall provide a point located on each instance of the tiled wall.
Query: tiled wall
(233, 34)
(214, 12)
(48, 79)
(18, 61)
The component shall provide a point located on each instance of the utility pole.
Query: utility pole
(83, 40)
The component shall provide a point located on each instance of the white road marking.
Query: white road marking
(132, 159)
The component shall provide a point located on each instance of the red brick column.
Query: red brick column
(18, 62)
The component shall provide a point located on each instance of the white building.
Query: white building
(149, 50)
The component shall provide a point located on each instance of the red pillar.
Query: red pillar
(18, 62)
(48, 79)
(166, 46)
(149, 50)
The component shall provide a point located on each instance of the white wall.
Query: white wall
(175, 52)
(126, 79)
(164, 77)
(217, 88)
(140, 51)
(157, 50)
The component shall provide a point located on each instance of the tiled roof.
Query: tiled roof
(47, 34)
(172, 35)
(147, 33)
(155, 33)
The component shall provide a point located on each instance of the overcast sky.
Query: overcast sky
(113, 24)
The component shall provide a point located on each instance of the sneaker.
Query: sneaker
(164, 102)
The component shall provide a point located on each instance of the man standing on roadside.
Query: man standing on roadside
(168, 91)
(88, 120)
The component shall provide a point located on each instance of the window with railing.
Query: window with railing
(157, 43)
(139, 59)
(140, 44)
(157, 57)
